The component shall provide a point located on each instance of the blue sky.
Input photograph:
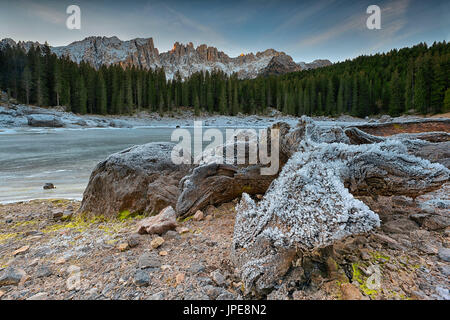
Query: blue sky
(306, 30)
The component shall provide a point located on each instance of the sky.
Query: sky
(306, 30)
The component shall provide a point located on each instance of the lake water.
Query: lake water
(29, 158)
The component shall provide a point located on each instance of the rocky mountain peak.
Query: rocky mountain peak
(182, 58)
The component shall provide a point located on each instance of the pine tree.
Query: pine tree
(101, 101)
(27, 83)
(446, 107)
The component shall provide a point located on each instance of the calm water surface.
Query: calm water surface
(31, 157)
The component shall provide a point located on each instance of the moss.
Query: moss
(7, 236)
(25, 223)
(185, 219)
(79, 223)
(362, 280)
(379, 257)
(127, 215)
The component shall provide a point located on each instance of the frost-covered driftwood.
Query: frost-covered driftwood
(311, 204)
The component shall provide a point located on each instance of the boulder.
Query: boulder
(44, 120)
(141, 179)
(159, 224)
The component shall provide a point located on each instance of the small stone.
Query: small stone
(43, 272)
(165, 267)
(197, 268)
(350, 292)
(60, 260)
(212, 292)
(48, 186)
(444, 254)
(2, 293)
(21, 250)
(34, 262)
(157, 242)
(123, 246)
(39, 296)
(179, 278)
(159, 224)
(198, 216)
(148, 260)
(183, 230)
(57, 214)
(208, 218)
(364, 253)
(133, 241)
(11, 276)
(157, 296)
(163, 253)
(259, 196)
(225, 296)
(141, 278)
(218, 278)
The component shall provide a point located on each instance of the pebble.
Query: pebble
(183, 230)
(198, 216)
(196, 268)
(21, 250)
(149, 260)
(157, 242)
(123, 246)
(444, 254)
(11, 276)
(218, 278)
(133, 241)
(157, 296)
(43, 271)
(225, 296)
(60, 260)
(163, 253)
(350, 292)
(141, 278)
(39, 296)
(179, 278)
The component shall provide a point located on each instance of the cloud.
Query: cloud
(45, 13)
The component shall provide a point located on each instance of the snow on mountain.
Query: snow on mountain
(185, 59)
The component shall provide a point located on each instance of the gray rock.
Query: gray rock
(141, 278)
(157, 296)
(44, 120)
(39, 296)
(218, 278)
(444, 254)
(133, 241)
(212, 291)
(197, 268)
(48, 186)
(226, 296)
(149, 260)
(139, 179)
(11, 276)
(43, 271)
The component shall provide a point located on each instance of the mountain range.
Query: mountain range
(182, 58)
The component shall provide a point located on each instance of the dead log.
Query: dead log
(311, 203)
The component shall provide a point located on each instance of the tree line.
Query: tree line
(407, 80)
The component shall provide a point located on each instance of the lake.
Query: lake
(29, 158)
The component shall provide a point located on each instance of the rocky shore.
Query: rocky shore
(356, 211)
(41, 253)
